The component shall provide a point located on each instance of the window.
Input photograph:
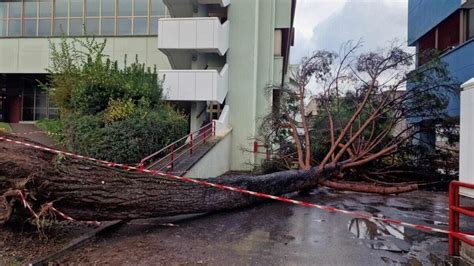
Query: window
(140, 8)
(45, 8)
(92, 26)
(125, 7)
(108, 8)
(30, 9)
(74, 17)
(14, 10)
(108, 26)
(14, 27)
(3, 10)
(93, 8)
(139, 26)
(76, 8)
(470, 23)
(157, 8)
(3, 27)
(75, 27)
(29, 27)
(44, 27)
(124, 26)
(60, 26)
(153, 25)
(60, 8)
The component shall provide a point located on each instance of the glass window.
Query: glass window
(75, 26)
(124, 26)
(108, 26)
(125, 7)
(108, 8)
(15, 9)
(139, 26)
(60, 8)
(140, 8)
(14, 27)
(41, 113)
(76, 8)
(53, 113)
(45, 8)
(28, 114)
(44, 27)
(3, 10)
(30, 8)
(93, 8)
(157, 8)
(3, 27)
(60, 26)
(29, 27)
(154, 26)
(470, 23)
(92, 26)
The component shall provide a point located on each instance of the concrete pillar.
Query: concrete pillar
(466, 143)
(466, 151)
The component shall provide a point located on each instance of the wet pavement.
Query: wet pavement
(277, 233)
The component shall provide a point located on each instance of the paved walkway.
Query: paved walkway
(41, 138)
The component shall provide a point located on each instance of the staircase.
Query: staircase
(181, 155)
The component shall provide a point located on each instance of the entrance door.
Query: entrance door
(13, 106)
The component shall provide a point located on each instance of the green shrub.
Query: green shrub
(127, 140)
(111, 113)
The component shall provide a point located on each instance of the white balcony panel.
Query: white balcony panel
(200, 34)
(195, 85)
(222, 3)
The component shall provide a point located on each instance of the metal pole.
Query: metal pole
(191, 149)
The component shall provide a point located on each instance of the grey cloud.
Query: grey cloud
(376, 23)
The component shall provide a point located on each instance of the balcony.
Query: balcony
(205, 35)
(195, 85)
(186, 8)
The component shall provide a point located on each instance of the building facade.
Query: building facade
(212, 55)
(448, 27)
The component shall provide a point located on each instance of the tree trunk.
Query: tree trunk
(88, 191)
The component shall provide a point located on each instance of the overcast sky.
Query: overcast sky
(326, 24)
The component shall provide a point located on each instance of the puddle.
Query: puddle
(380, 236)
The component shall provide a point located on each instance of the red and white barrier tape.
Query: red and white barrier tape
(244, 191)
(27, 206)
(35, 132)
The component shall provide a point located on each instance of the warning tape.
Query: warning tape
(36, 132)
(244, 191)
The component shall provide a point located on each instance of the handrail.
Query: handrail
(206, 129)
(454, 210)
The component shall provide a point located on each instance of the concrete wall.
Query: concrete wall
(215, 162)
(423, 15)
(31, 55)
(466, 143)
(252, 70)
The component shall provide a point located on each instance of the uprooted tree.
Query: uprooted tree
(367, 107)
(89, 191)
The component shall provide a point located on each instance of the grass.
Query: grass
(5, 127)
(52, 126)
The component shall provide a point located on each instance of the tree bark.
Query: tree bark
(88, 191)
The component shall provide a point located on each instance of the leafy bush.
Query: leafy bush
(108, 112)
(127, 140)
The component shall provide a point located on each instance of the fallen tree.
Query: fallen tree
(89, 191)
(86, 190)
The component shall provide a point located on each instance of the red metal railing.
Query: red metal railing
(166, 158)
(454, 211)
